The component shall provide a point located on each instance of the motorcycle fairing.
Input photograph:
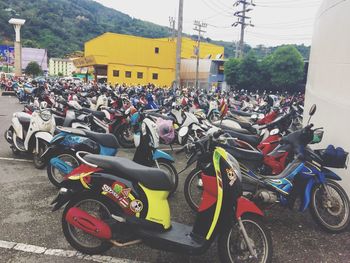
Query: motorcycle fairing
(158, 154)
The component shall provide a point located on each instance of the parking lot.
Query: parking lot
(30, 232)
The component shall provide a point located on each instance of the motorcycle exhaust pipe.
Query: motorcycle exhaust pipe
(89, 224)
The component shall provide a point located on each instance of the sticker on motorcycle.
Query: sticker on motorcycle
(126, 192)
(107, 190)
(136, 206)
(231, 176)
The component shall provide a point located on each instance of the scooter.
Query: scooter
(31, 133)
(113, 201)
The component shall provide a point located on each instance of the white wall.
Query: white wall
(328, 84)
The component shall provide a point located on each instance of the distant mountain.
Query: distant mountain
(63, 26)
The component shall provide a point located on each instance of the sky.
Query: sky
(275, 21)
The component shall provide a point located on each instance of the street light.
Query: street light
(17, 23)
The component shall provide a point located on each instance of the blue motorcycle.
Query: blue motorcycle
(61, 154)
(307, 177)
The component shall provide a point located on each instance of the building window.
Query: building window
(128, 74)
(155, 76)
(156, 50)
(140, 75)
(115, 73)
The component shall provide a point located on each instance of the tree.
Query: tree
(265, 73)
(249, 72)
(33, 69)
(60, 74)
(231, 71)
(286, 68)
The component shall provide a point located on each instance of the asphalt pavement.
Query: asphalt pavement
(30, 232)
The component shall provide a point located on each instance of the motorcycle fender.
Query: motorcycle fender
(45, 136)
(157, 154)
(17, 126)
(331, 175)
(246, 206)
(307, 194)
(62, 198)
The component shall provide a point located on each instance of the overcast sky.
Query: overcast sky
(276, 21)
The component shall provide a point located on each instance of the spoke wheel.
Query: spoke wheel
(330, 208)
(233, 247)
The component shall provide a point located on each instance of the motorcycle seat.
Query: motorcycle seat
(232, 129)
(245, 154)
(242, 113)
(253, 140)
(98, 114)
(107, 140)
(117, 113)
(164, 117)
(152, 178)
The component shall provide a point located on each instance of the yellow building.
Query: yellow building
(137, 60)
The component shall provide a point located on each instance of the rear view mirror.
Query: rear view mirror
(312, 110)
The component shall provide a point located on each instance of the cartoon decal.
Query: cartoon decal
(136, 206)
(231, 176)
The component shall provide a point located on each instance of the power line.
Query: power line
(198, 26)
(241, 15)
(221, 12)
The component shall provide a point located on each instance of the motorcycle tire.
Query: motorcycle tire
(168, 167)
(71, 235)
(38, 162)
(320, 211)
(193, 198)
(50, 169)
(125, 143)
(227, 246)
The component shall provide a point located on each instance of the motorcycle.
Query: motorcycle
(306, 177)
(31, 133)
(113, 201)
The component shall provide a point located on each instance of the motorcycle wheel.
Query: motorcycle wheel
(193, 189)
(167, 167)
(125, 137)
(232, 246)
(39, 162)
(96, 206)
(330, 211)
(54, 175)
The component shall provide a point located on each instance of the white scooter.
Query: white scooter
(31, 133)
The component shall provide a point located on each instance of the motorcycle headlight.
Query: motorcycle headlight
(45, 115)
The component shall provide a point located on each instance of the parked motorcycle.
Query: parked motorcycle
(31, 133)
(113, 201)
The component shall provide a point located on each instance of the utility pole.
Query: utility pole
(242, 21)
(179, 43)
(198, 27)
(172, 26)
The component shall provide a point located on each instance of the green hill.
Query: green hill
(62, 26)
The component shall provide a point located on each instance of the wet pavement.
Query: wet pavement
(26, 217)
